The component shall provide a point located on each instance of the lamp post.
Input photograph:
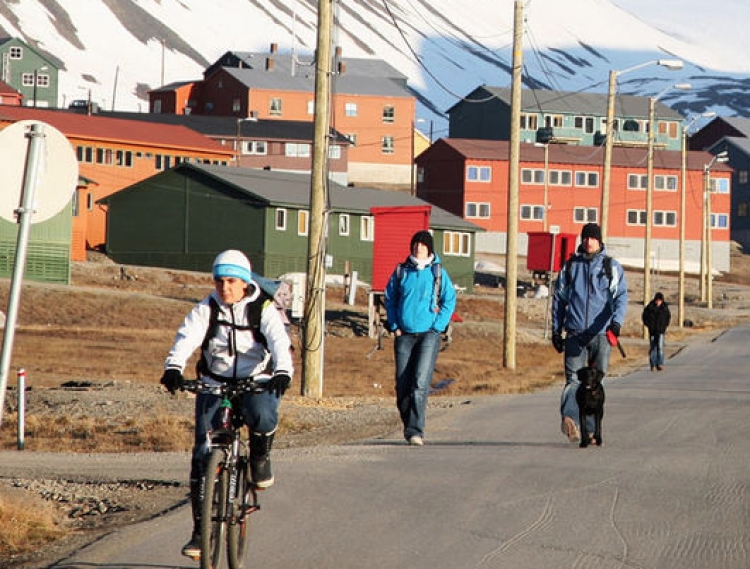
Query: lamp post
(650, 189)
(36, 80)
(545, 145)
(672, 65)
(706, 277)
(238, 145)
(683, 197)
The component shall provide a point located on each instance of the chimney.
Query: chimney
(338, 51)
(274, 47)
(269, 63)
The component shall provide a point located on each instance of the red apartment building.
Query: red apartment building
(370, 104)
(469, 178)
(113, 154)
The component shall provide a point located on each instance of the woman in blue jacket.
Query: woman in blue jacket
(419, 302)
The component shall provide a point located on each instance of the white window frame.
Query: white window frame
(479, 174)
(528, 212)
(558, 178)
(254, 147)
(15, 52)
(297, 149)
(585, 215)
(478, 210)
(637, 181)
(389, 114)
(351, 109)
(532, 176)
(456, 244)
(334, 152)
(311, 107)
(275, 106)
(367, 228)
(635, 217)
(587, 174)
(344, 224)
(529, 121)
(719, 185)
(303, 222)
(280, 217)
(719, 221)
(387, 145)
(662, 183)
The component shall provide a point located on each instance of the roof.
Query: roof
(570, 154)
(100, 128)
(741, 124)
(567, 102)
(211, 125)
(284, 189)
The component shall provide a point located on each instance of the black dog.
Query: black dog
(590, 398)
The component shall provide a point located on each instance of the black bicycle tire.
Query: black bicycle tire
(213, 510)
(237, 531)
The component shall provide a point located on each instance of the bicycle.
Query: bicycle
(229, 496)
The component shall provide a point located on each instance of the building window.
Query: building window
(742, 209)
(560, 177)
(636, 217)
(456, 243)
(343, 224)
(27, 79)
(386, 145)
(157, 106)
(587, 179)
(529, 121)
(637, 181)
(297, 150)
(254, 147)
(389, 113)
(478, 174)
(334, 152)
(350, 109)
(367, 228)
(532, 212)
(16, 52)
(586, 124)
(667, 183)
(553, 121)
(274, 108)
(42, 80)
(719, 220)
(669, 128)
(720, 185)
(90, 201)
(310, 107)
(478, 210)
(665, 218)
(280, 219)
(303, 222)
(585, 215)
(104, 156)
(532, 176)
(125, 158)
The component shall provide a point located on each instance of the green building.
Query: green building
(28, 71)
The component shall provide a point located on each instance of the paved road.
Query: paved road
(498, 486)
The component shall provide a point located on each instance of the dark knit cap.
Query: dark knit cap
(423, 237)
(659, 296)
(591, 230)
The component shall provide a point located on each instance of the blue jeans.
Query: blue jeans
(260, 411)
(656, 350)
(415, 361)
(580, 353)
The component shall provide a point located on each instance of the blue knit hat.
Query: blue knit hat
(232, 263)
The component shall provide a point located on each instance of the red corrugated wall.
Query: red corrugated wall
(394, 227)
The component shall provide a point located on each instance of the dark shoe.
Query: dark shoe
(260, 459)
(659, 368)
(192, 548)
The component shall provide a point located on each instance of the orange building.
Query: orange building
(371, 104)
(561, 186)
(113, 154)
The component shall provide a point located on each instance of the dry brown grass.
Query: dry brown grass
(26, 524)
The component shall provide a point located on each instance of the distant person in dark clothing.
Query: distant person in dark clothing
(656, 318)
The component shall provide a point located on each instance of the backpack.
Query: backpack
(437, 274)
(607, 262)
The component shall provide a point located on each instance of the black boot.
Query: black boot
(192, 548)
(260, 459)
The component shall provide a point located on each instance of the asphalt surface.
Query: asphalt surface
(498, 486)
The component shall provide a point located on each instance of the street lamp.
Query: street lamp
(672, 65)
(237, 149)
(683, 197)
(36, 80)
(545, 145)
(650, 187)
(706, 280)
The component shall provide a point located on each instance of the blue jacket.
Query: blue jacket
(589, 302)
(409, 301)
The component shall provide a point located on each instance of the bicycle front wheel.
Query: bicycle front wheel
(213, 511)
(239, 520)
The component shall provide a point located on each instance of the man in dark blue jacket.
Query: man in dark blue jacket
(590, 299)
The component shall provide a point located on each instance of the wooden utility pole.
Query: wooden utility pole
(511, 255)
(314, 314)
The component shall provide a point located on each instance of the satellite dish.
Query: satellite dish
(57, 174)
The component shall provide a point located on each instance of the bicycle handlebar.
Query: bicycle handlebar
(246, 385)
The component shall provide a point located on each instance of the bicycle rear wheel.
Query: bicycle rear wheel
(239, 519)
(213, 511)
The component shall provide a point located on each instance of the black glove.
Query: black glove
(614, 328)
(172, 380)
(279, 383)
(558, 342)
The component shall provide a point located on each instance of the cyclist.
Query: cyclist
(232, 347)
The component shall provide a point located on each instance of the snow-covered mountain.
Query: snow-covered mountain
(119, 49)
